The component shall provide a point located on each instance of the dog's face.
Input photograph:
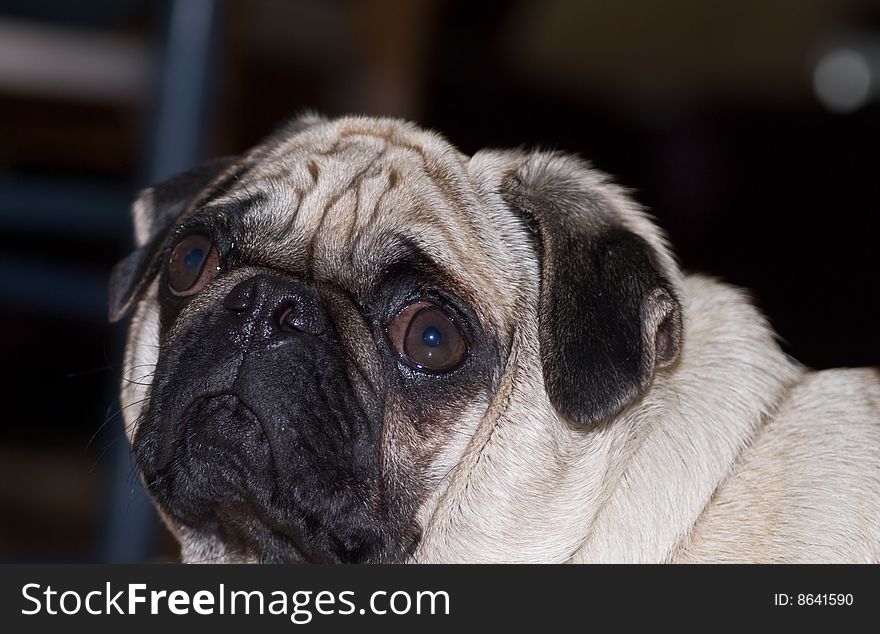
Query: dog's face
(329, 329)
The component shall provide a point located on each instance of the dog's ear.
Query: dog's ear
(609, 315)
(153, 213)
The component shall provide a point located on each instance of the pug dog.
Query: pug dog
(354, 343)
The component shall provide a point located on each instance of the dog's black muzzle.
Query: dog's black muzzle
(260, 432)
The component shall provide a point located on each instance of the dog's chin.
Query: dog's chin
(233, 490)
(203, 549)
(234, 545)
(196, 548)
(200, 548)
(221, 481)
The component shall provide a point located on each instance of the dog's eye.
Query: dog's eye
(427, 338)
(194, 262)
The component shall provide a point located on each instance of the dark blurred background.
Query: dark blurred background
(749, 128)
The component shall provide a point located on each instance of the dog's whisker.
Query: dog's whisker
(110, 418)
(80, 373)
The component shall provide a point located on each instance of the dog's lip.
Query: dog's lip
(178, 425)
(293, 547)
(292, 550)
(168, 449)
(291, 540)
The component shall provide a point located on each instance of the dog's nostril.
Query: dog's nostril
(292, 318)
(240, 298)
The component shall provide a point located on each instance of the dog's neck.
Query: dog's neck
(632, 489)
(726, 387)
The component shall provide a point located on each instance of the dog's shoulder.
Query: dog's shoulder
(826, 437)
(841, 400)
(805, 483)
(807, 488)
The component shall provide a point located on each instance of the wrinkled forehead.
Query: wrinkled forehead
(341, 202)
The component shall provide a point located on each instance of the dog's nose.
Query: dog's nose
(287, 304)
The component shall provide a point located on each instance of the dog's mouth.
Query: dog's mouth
(219, 474)
(222, 470)
(215, 419)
